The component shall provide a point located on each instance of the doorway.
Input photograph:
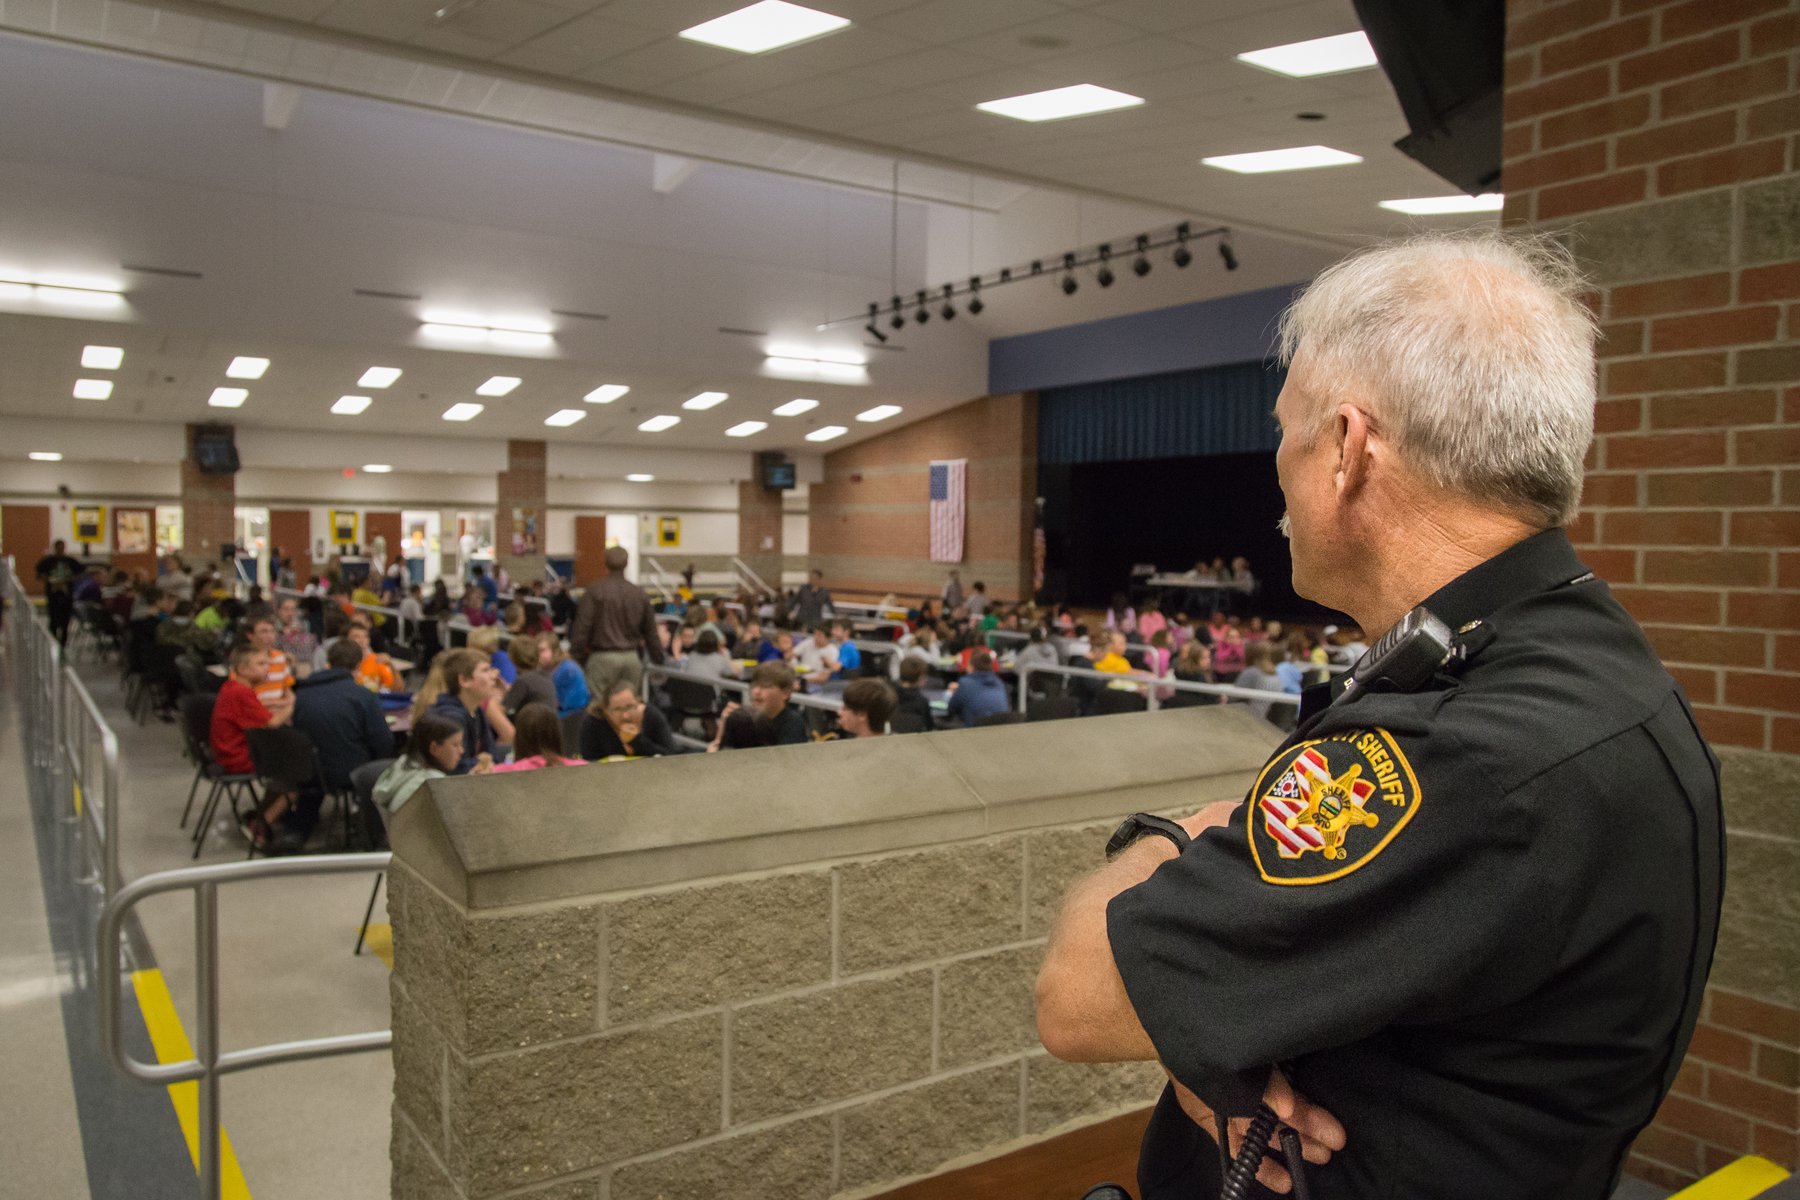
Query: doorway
(421, 544)
(251, 533)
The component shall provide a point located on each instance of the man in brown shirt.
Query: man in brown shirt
(613, 619)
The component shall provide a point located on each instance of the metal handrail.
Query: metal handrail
(209, 1064)
(105, 825)
(749, 573)
(1152, 683)
(826, 703)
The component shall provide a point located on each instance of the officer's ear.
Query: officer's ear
(1354, 437)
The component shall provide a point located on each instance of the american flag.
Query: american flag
(947, 480)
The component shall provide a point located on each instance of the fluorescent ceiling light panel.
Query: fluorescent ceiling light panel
(244, 367)
(880, 412)
(464, 411)
(1435, 206)
(1321, 56)
(565, 416)
(848, 358)
(224, 397)
(93, 389)
(641, 478)
(826, 432)
(746, 428)
(659, 423)
(794, 408)
(45, 456)
(705, 400)
(768, 25)
(378, 468)
(499, 385)
(487, 324)
(379, 377)
(606, 393)
(1297, 158)
(102, 358)
(349, 406)
(1083, 99)
(783, 367)
(452, 333)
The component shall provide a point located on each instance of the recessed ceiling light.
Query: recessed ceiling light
(705, 400)
(379, 377)
(1057, 103)
(1432, 206)
(464, 411)
(565, 416)
(826, 432)
(224, 397)
(641, 478)
(746, 428)
(243, 367)
(606, 393)
(499, 385)
(768, 25)
(880, 412)
(102, 358)
(349, 406)
(93, 389)
(1321, 56)
(659, 423)
(378, 468)
(794, 408)
(45, 456)
(1297, 158)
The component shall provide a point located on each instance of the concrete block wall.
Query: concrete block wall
(1660, 137)
(870, 522)
(795, 1034)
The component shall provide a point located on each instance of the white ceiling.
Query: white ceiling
(546, 201)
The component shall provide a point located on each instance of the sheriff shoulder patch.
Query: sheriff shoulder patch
(1324, 808)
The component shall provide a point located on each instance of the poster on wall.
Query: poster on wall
(343, 528)
(131, 530)
(89, 520)
(525, 524)
(668, 532)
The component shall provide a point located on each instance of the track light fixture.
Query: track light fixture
(1175, 239)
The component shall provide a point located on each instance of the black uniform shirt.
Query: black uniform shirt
(1473, 921)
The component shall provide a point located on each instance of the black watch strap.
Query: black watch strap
(1139, 825)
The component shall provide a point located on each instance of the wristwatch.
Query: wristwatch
(1139, 825)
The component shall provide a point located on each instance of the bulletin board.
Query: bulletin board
(668, 532)
(343, 528)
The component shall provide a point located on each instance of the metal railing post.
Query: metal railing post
(206, 999)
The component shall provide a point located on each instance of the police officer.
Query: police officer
(1456, 933)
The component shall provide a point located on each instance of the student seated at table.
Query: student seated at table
(537, 741)
(769, 720)
(434, 749)
(236, 711)
(849, 658)
(375, 671)
(346, 724)
(816, 659)
(1114, 659)
(472, 692)
(486, 640)
(778, 647)
(868, 706)
(980, 693)
(566, 675)
(910, 696)
(1038, 652)
(620, 725)
(532, 683)
(709, 658)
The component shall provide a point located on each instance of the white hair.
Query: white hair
(1473, 354)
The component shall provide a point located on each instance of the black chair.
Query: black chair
(196, 680)
(905, 721)
(287, 761)
(196, 731)
(1001, 718)
(691, 700)
(1057, 706)
(362, 782)
(1112, 700)
(571, 733)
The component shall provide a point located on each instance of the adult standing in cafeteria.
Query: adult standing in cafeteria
(613, 623)
(57, 572)
(1458, 932)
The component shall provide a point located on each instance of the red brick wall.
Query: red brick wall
(1661, 134)
(1665, 134)
(520, 486)
(759, 517)
(208, 509)
(869, 524)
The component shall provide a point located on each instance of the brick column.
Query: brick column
(1662, 134)
(520, 496)
(759, 522)
(208, 509)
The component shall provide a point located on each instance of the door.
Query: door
(387, 526)
(25, 534)
(590, 548)
(139, 525)
(290, 531)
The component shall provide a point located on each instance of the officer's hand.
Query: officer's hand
(1320, 1133)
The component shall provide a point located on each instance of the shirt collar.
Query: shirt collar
(1537, 564)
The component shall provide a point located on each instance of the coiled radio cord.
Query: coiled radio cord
(1240, 1172)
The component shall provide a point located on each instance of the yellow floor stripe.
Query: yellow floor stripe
(1748, 1176)
(78, 799)
(380, 942)
(171, 1044)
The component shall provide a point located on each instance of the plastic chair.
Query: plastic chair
(692, 700)
(286, 760)
(196, 730)
(571, 733)
(1057, 706)
(362, 782)
(1111, 701)
(904, 721)
(1000, 718)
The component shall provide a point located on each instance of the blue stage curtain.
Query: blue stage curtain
(1218, 410)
